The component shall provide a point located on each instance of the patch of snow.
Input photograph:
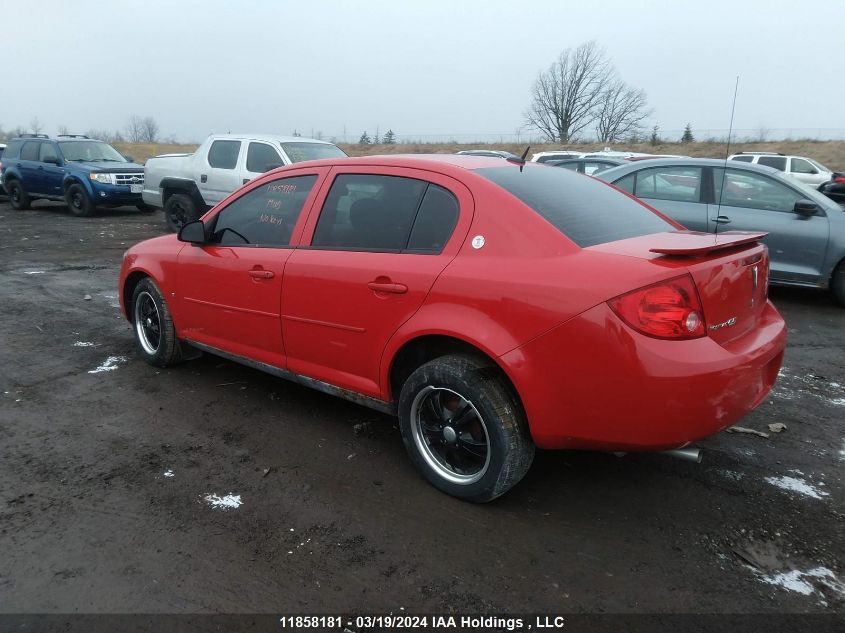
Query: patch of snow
(225, 502)
(168, 473)
(34, 272)
(83, 344)
(110, 364)
(796, 484)
(804, 582)
(839, 402)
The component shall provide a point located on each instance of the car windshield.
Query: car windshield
(90, 151)
(298, 152)
(586, 210)
(818, 165)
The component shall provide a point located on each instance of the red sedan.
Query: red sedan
(493, 306)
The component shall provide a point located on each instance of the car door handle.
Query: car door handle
(261, 274)
(396, 289)
(722, 219)
(204, 178)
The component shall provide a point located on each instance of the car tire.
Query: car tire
(145, 208)
(78, 202)
(18, 197)
(464, 427)
(179, 210)
(155, 334)
(837, 284)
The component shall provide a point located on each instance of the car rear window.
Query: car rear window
(298, 152)
(586, 210)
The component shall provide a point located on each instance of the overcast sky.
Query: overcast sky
(420, 67)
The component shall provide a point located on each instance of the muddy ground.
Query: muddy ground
(106, 463)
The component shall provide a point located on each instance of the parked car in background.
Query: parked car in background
(806, 230)
(2, 147)
(544, 157)
(801, 168)
(186, 185)
(587, 166)
(85, 173)
(493, 153)
(835, 188)
(494, 306)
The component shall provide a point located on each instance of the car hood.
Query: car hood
(112, 168)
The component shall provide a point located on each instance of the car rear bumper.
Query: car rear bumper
(593, 383)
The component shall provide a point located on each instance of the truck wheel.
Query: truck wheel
(78, 202)
(464, 428)
(155, 335)
(179, 210)
(18, 198)
(837, 284)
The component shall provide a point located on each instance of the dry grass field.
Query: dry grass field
(829, 153)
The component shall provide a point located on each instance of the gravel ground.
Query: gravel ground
(213, 488)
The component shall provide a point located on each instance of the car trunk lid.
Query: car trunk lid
(730, 271)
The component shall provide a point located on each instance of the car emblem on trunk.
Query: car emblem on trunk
(754, 275)
(728, 323)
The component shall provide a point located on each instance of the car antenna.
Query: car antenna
(521, 160)
(727, 153)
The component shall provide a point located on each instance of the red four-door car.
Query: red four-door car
(494, 306)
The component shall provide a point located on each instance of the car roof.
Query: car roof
(689, 162)
(278, 138)
(434, 162)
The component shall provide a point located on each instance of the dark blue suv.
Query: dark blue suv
(84, 172)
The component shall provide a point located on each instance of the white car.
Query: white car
(545, 157)
(800, 168)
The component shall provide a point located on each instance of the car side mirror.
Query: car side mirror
(193, 233)
(53, 160)
(272, 166)
(806, 208)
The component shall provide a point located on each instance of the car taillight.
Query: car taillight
(838, 179)
(669, 309)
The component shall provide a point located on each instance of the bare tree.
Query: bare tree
(35, 125)
(566, 96)
(135, 129)
(621, 112)
(149, 130)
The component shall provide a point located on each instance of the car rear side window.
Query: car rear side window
(264, 216)
(368, 212)
(13, 149)
(224, 154)
(261, 157)
(29, 151)
(778, 162)
(681, 184)
(743, 159)
(586, 210)
(435, 221)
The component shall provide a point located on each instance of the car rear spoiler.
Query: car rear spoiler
(689, 243)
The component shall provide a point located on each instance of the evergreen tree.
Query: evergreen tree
(376, 140)
(655, 136)
(364, 140)
(389, 137)
(687, 137)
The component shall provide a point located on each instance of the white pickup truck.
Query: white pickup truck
(186, 185)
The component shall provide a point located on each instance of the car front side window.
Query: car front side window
(261, 157)
(264, 216)
(801, 166)
(48, 151)
(753, 191)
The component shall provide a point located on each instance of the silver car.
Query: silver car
(806, 237)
